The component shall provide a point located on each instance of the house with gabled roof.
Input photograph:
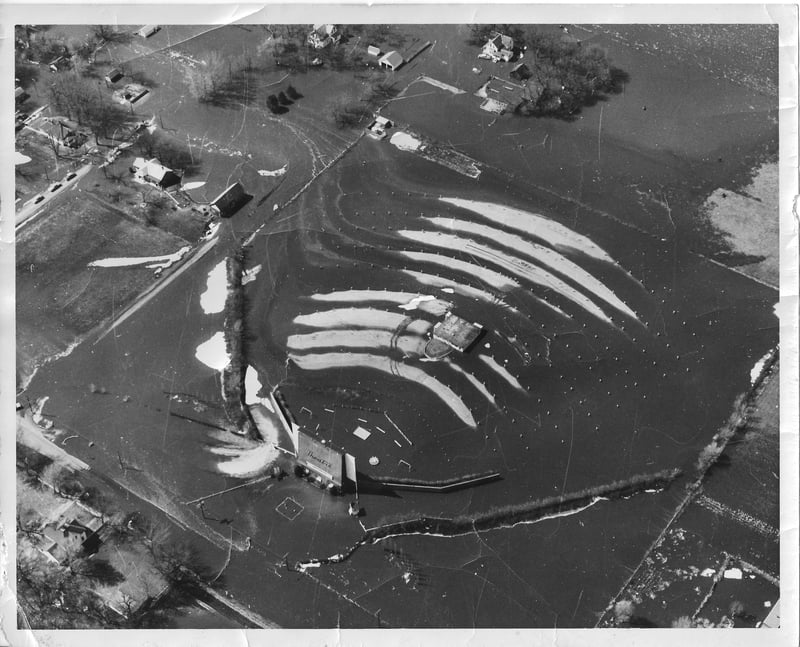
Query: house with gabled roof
(323, 35)
(155, 173)
(75, 531)
(499, 47)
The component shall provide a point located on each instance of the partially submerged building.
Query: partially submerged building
(499, 47)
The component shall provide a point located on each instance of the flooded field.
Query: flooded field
(609, 349)
(592, 368)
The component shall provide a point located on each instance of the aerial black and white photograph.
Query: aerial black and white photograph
(415, 325)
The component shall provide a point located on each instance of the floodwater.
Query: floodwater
(609, 351)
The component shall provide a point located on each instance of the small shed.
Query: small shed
(20, 96)
(372, 50)
(114, 75)
(148, 30)
(391, 60)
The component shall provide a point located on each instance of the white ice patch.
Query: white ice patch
(412, 305)
(405, 142)
(539, 254)
(252, 385)
(37, 411)
(324, 361)
(733, 574)
(213, 299)
(531, 223)
(19, 158)
(213, 352)
(517, 266)
(502, 371)
(151, 261)
(250, 275)
(275, 173)
(759, 366)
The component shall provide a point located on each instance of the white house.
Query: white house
(323, 35)
(391, 60)
(499, 47)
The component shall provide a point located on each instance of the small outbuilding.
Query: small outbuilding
(20, 96)
(374, 51)
(391, 60)
(114, 75)
(148, 30)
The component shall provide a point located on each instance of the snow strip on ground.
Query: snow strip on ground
(364, 338)
(517, 266)
(759, 366)
(531, 223)
(479, 386)
(543, 255)
(275, 173)
(501, 371)
(213, 299)
(156, 261)
(450, 287)
(488, 276)
(351, 318)
(19, 158)
(335, 360)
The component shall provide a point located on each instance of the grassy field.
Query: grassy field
(58, 296)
